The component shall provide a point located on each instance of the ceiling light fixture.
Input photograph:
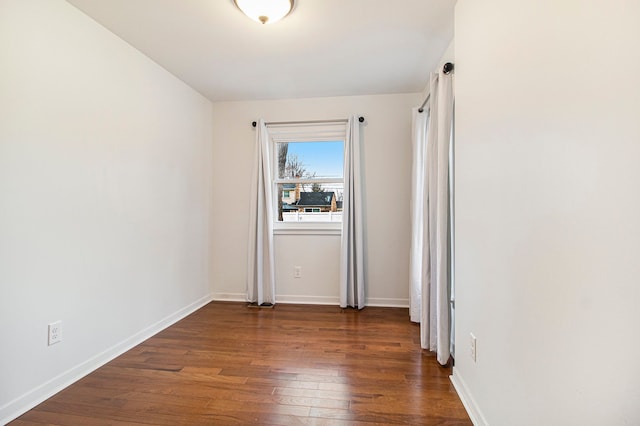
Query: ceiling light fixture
(265, 11)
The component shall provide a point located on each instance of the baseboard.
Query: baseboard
(467, 400)
(313, 300)
(308, 300)
(27, 401)
(229, 297)
(388, 303)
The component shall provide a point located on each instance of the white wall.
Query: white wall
(318, 257)
(548, 210)
(104, 198)
(387, 169)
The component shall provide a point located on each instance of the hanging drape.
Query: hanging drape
(352, 281)
(430, 252)
(261, 264)
(418, 266)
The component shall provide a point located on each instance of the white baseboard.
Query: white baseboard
(30, 399)
(313, 300)
(388, 303)
(303, 300)
(467, 400)
(229, 297)
(308, 300)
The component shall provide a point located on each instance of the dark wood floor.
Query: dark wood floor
(291, 365)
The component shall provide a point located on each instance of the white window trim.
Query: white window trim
(304, 132)
(309, 228)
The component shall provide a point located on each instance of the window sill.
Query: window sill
(308, 229)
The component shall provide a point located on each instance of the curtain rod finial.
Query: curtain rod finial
(448, 68)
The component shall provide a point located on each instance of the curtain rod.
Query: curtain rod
(447, 69)
(255, 123)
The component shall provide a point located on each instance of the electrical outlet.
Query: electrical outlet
(297, 272)
(55, 332)
(473, 347)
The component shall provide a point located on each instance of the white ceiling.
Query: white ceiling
(323, 48)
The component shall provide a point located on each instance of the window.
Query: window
(308, 163)
(315, 170)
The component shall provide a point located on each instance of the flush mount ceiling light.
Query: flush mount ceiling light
(265, 11)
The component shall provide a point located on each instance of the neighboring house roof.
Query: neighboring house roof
(288, 186)
(288, 207)
(315, 199)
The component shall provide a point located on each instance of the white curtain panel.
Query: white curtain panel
(352, 292)
(419, 264)
(261, 265)
(429, 275)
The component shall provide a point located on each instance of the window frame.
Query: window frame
(303, 132)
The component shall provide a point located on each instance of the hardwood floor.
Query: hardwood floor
(290, 365)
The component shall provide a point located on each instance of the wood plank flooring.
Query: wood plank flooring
(290, 365)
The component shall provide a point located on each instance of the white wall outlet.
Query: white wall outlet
(297, 272)
(473, 347)
(55, 332)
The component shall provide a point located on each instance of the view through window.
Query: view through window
(310, 180)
